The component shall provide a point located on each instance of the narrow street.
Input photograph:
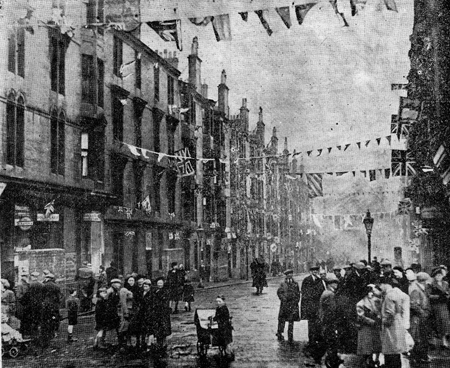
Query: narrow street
(255, 344)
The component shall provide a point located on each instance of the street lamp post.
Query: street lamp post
(368, 223)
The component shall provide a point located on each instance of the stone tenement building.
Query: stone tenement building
(106, 155)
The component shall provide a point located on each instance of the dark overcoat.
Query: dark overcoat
(312, 289)
(161, 313)
(289, 295)
(112, 306)
(143, 319)
(224, 334)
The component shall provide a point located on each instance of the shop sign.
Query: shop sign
(54, 217)
(21, 211)
(92, 216)
(24, 223)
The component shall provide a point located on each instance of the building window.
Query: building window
(15, 130)
(16, 51)
(88, 79)
(137, 69)
(117, 55)
(92, 80)
(156, 130)
(95, 14)
(118, 164)
(170, 91)
(117, 117)
(170, 139)
(156, 81)
(138, 170)
(58, 47)
(100, 82)
(57, 142)
(93, 151)
(157, 174)
(171, 190)
(160, 248)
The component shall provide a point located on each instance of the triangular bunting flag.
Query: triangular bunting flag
(391, 5)
(346, 146)
(302, 10)
(359, 144)
(367, 143)
(388, 137)
(378, 141)
(339, 147)
(221, 26)
(202, 21)
(262, 17)
(308, 152)
(336, 4)
(133, 149)
(161, 156)
(169, 30)
(244, 16)
(320, 151)
(285, 15)
(329, 149)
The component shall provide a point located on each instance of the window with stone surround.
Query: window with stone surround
(15, 130)
(57, 142)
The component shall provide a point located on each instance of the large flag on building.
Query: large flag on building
(169, 31)
(314, 182)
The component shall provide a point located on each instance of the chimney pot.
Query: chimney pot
(165, 53)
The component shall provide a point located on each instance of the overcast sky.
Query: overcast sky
(320, 83)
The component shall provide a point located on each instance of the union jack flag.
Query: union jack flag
(404, 206)
(402, 163)
(314, 182)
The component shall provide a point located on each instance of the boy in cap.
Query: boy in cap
(101, 318)
(289, 295)
(172, 286)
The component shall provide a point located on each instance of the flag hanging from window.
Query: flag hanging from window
(169, 31)
(314, 182)
(222, 28)
(302, 10)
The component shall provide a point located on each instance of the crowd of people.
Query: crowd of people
(370, 309)
(133, 307)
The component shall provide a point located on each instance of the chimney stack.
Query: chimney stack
(205, 90)
(223, 94)
(195, 66)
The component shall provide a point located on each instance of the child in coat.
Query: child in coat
(188, 294)
(72, 306)
(101, 318)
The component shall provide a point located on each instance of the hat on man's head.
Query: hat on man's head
(359, 265)
(85, 263)
(49, 276)
(422, 276)
(346, 267)
(46, 272)
(314, 268)
(288, 272)
(35, 274)
(115, 281)
(436, 271)
(386, 262)
(147, 282)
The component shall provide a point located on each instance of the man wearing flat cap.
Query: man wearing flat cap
(289, 295)
(312, 289)
(32, 307)
(51, 299)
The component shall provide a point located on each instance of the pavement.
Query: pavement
(255, 344)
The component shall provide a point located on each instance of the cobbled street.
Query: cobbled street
(255, 344)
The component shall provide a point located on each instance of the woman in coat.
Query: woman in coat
(161, 313)
(222, 317)
(142, 323)
(393, 331)
(368, 311)
(439, 295)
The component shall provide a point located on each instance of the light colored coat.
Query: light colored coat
(393, 314)
(369, 313)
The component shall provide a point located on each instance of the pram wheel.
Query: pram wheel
(14, 352)
(202, 349)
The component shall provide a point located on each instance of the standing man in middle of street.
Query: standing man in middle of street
(289, 295)
(312, 289)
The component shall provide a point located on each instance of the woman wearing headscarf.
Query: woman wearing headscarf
(439, 295)
(400, 279)
(368, 311)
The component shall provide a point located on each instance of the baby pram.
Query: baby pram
(12, 341)
(207, 330)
